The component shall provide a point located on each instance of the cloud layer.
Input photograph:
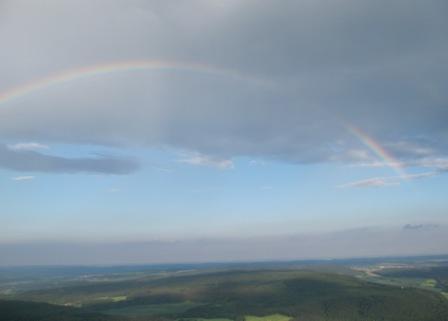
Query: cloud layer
(363, 242)
(375, 64)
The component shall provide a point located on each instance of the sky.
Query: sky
(222, 130)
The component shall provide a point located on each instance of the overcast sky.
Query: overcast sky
(138, 122)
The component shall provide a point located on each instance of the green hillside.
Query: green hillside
(278, 295)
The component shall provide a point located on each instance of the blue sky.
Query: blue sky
(170, 199)
(194, 130)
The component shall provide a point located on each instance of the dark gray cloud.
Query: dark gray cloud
(379, 65)
(32, 161)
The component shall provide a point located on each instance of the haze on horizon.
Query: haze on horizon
(218, 130)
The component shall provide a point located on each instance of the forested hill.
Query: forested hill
(233, 295)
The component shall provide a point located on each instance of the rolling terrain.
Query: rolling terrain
(301, 294)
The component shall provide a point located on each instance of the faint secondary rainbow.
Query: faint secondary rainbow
(115, 67)
(377, 149)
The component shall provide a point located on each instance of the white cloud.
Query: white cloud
(162, 169)
(439, 163)
(27, 146)
(411, 148)
(371, 182)
(210, 161)
(257, 162)
(388, 180)
(419, 175)
(359, 155)
(23, 178)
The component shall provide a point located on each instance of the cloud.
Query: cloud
(210, 161)
(162, 169)
(377, 65)
(440, 164)
(28, 146)
(257, 162)
(419, 227)
(23, 178)
(388, 180)
(32, 161)
(371, 182)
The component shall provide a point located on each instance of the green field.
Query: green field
(430, 283)
(272, 317)
(202, 319)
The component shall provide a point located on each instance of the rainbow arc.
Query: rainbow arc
(116, 67)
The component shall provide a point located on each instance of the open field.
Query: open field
(272, 317)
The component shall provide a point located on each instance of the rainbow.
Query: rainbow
(377, 149)
(115, 67)
(137, 65)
